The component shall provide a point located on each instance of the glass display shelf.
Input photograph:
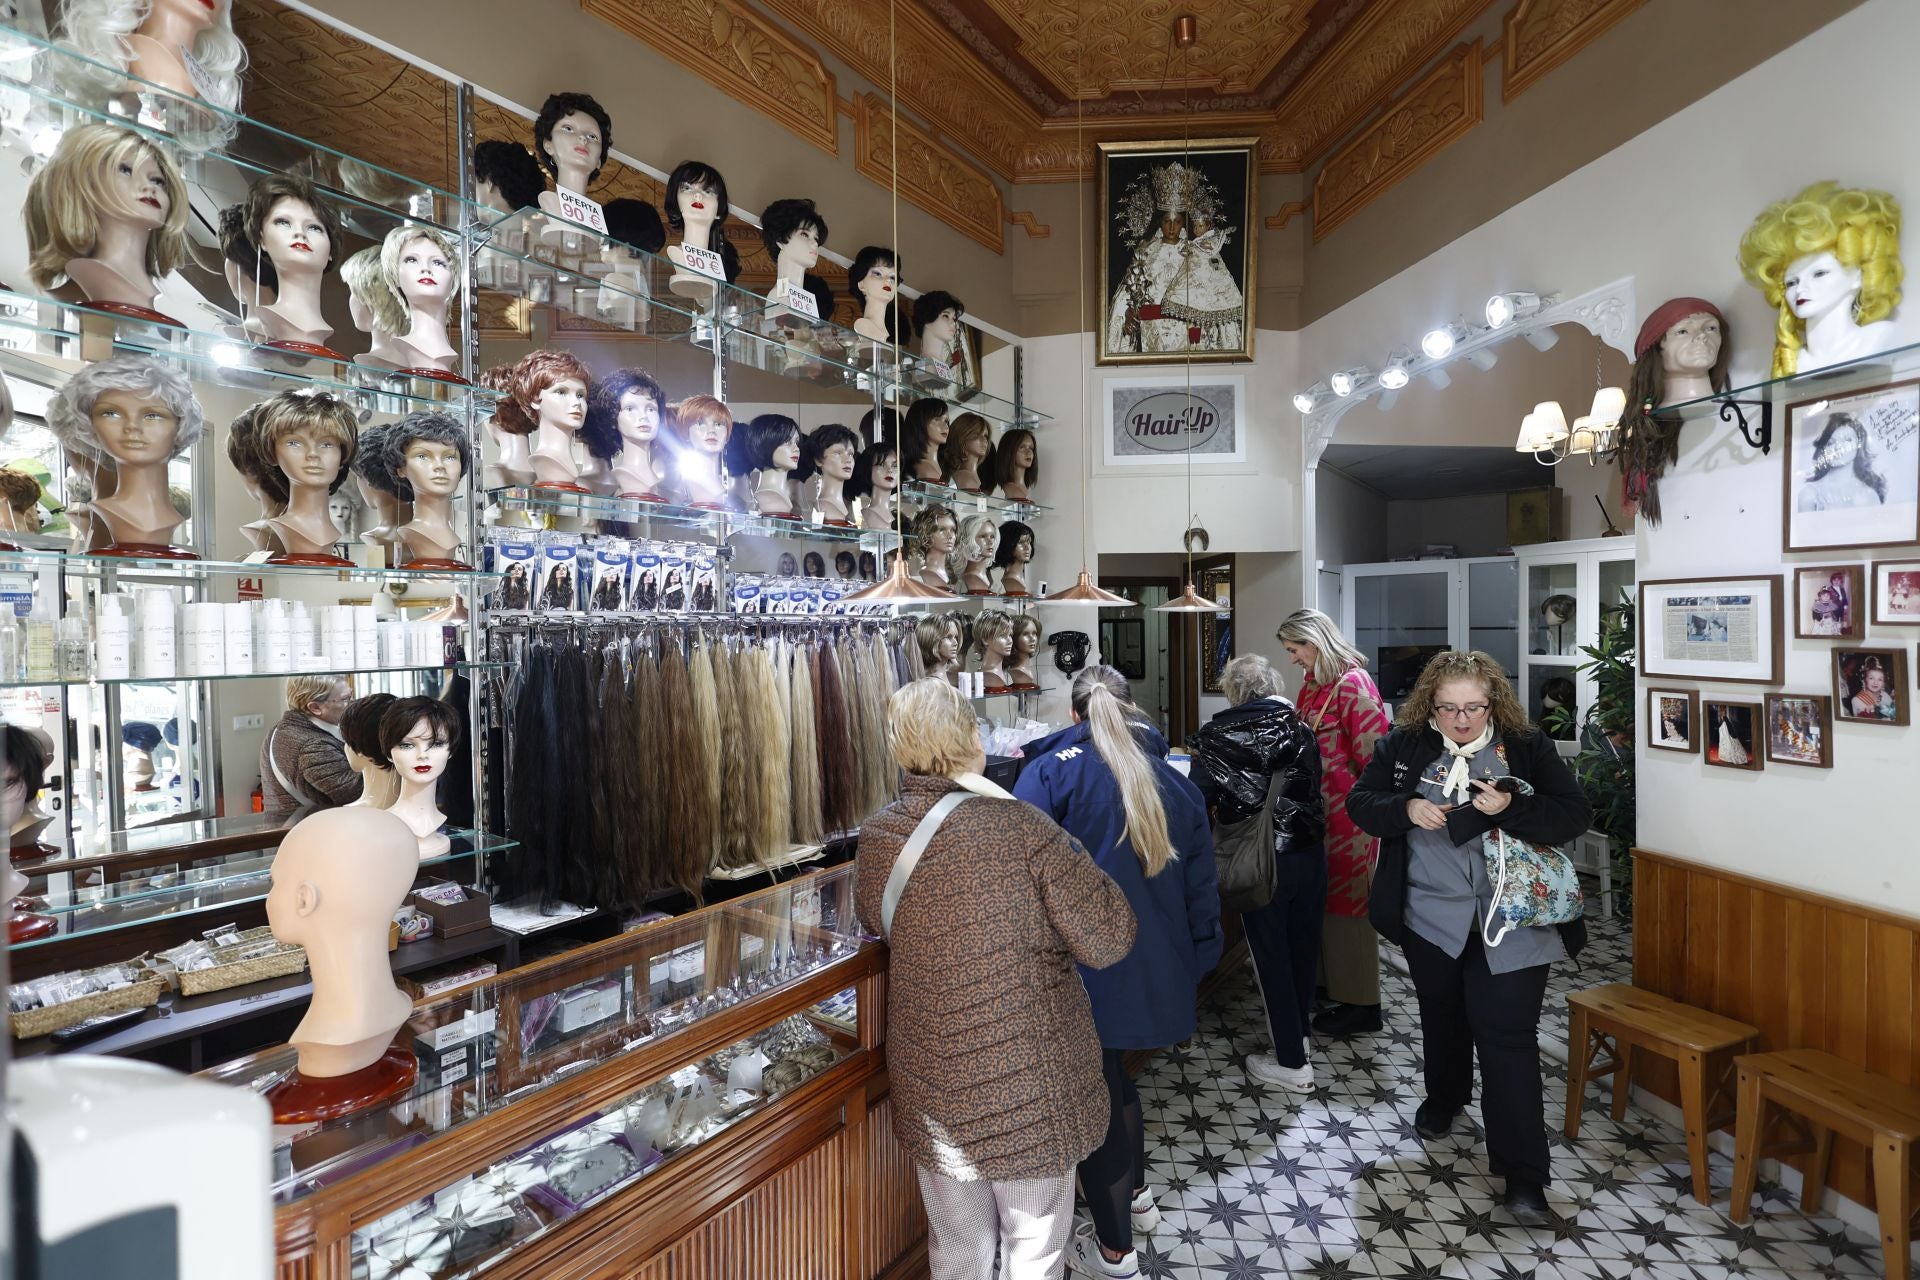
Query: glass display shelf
(990, 602)
(961, 501)
(322, 669)
(1895, 362)
(719, 524)
(36, 325)
(167, 842)
(92, 564)
(231, 882)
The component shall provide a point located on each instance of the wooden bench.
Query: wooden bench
(1817, 1092)
(1619, 1020)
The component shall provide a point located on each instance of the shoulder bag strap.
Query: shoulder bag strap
(279, 776)
(1332, 693)
(910, 855)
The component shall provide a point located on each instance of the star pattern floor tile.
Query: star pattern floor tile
(1256, 1182)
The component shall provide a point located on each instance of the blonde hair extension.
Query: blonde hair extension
(690, 816)
(805, 749)
(1101, 698)
(876, 687)
(772, 744)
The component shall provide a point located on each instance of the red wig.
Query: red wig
(529, 380)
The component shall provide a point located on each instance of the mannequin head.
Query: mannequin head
(702, 424)
(417, 738)
(935, 641)
(1026, 638)
(772, 443)
(696, 191)
(1683, 338)
(875, 471)
(553, 383)
(936, 316)
(979, 539)
(788, 566)
(795, 229)
(813, 565)
(426, 453)
(413, 266)
(130, 408)
(338, 877)
(20, 497)
(360, 730)
(844, 564)
(874, 278)
(936, 530)
(573, 131)
(237, 248)
(627, 408)
(1016, 458)
(98, 29)
(310, 437)
(506, 176)
(291, 225)
(26, 760)
(993, 636)
(1829, 250)
(250, 459)
(924, 431)
(100, 174)
(969, 444)
(1016, 544)
(832, 451)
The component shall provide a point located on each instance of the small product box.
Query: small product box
(454, 915)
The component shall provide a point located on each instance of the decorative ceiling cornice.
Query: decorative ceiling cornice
(1539, 35)
(932, 176)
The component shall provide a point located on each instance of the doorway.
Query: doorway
(1148, 651)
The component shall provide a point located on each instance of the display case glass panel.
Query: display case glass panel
(1552, 609)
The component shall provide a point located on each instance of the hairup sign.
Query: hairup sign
(1156, 421)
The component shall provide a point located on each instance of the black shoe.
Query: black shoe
(1526, 1203)
(1434, 1122)
(1344, 1020)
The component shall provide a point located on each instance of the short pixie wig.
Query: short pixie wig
(422, 424)
(784, 217)
(601, 434)
(70, 412)
(557, 107)
(370, 460)
(819, 441)
(323, 413)
(244, 452)
(989, 625)
(270, 190)
(397, 721)
(530, 379)
(697, 173)
(68, 196)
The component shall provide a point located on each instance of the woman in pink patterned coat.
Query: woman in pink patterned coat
(1339, 700)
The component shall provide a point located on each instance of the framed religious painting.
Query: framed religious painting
(1800, 729)
(1726, 629)
(1177, 250)
(1852, 477)
(1896, 593)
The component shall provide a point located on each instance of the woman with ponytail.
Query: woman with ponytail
(1107, 781)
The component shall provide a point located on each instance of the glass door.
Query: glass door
(1399, 616)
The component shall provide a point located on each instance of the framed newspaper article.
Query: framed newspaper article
(1726, 629)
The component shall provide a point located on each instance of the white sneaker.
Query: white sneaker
(1265, 1068)
(1146, 1214)
(1085, 1257)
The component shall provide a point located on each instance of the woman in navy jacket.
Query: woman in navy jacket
(1107, 781)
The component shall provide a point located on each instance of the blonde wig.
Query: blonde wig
(73, 192)
(390, 251)
(1103, 699)
(98, 31)
(70, 412)
(321, 412)
(705, 680)
(1505, 714)
(971, 530)
(805, 749)
(1337, 654)
(964, 430)
(989, 626)
(1861, 228)
(931, 730)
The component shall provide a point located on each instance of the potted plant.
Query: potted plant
(1606, 732)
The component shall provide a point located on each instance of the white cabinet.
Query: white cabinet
(1564, 587)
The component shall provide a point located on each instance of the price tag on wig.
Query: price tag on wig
(575, 207)
(704, 261)
(800, 301)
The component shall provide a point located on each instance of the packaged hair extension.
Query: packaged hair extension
(805, 754)
(773, 597)
(828, 596)
(673, 581)
(643, 592)
(772, 743)
(612, 561)
(515, 555)
(556, 587)
(746, 594)
(703, 581)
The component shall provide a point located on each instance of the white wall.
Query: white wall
(1669, 208)
(1350, 521)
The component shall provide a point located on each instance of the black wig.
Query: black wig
(702, 174)
(512, 169)
(360, 726)
(601, 431)
(1011, 531)
(866, 260)
(559, 105)
(861, 486)
(763, 435)
(914, 444)
(784, 217)
(928, 306)
(397, 721)
(823, 439)
(27, 756)
(637, 223)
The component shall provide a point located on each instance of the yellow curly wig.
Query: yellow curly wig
(1861, 228)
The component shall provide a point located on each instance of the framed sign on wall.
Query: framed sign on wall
(1153, 420)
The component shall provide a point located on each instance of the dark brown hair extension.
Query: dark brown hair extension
(690, 822)
(652, 768)
(853, 663)
(620, 793)
(736, 776)
(806, 748)
(522, 873)
(836, 746)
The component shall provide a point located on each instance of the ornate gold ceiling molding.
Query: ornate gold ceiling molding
(1427, 118)
(1285, 214)
(1035, 229)
(738, 52)
(939, 77)
(1354, 77)
(932, 176)
(1539, 35)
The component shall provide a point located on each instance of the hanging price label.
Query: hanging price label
(799, 300)
(704, 261)
(575, 207)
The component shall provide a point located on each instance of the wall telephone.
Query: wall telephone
(1070, 649)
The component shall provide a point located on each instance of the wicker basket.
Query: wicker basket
(40, 1022)
(228, 972)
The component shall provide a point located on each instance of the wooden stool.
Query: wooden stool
(1618, 1019)
(1827, 1095)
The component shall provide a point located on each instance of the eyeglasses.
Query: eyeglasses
(1472, 711)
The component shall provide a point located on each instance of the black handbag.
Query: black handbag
(1243, 857)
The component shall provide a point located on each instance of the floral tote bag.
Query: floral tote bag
(1533, 884)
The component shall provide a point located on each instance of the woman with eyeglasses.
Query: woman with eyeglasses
(1448, 774)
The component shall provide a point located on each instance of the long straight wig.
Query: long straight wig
(708, 699)
(690, 813)
(770, 743)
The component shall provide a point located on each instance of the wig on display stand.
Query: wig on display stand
(625, 416)
(401, 291)
(293, 233)
(134, 415)
(572, 137)
(1682, 353)
(697, 209)
(1828, 261)
(90, 237)
(188, 51)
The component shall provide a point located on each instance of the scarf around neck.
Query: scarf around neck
(1460, 773)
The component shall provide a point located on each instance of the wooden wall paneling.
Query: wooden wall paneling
(787, 1228)
(1890, 1001)
(1703, 916)
(896, 1221)
(1733, 954)
(1806, 960)
(1770, 966)
(1846, 998)
(1671, 945)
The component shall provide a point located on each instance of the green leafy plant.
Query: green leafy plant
(1606, 732)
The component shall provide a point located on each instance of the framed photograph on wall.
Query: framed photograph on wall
(1214, 581)
(1800, 729)
(1870, 686)
(1673, 717)
(1830, 602)
(1730, 732)
(1721, 629)
(1177, 250)
(1852, 477)
(1896, 593)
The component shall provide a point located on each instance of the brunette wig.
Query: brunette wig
(1000, 463)
(636, 222)
(601, 431)
(1011, 531)
(249, 458)
(537, 371)
(360, 727)
(319, 411)
(402, 714)
(269, 190)
(861, 486)
(914, 444)
(765, 434)
(27, 756)
(390, 453)
(702, 174)
(610, 774)
(928, 307)
(557, 107)
(887, 427)
(823, 439)
(513, 171)
(690, 814)
(236, 248)
(961, 431)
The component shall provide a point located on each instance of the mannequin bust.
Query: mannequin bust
(249, 275)
(874, 282)
(401, 292)
(258, 476)
(506, 177)
(1015, 468)
(311, 437)
(510, 466)
(993, 641)
(1026, 645)
(571, 139)
(417, 737)
(794, 233)
(876, 481)
(939, 647)
(427, 455)
(701, 426)
(338, 877)
(188, 48)
(360, 731)
(697, 209)
(936, 316)
(964, 456)
(26, 761)
(936, 531)
(1829, 261)
(1681, 353)
(546, 400)
(295, 230)
(624, 414)
(923, 435)
(772, 444)
(26, 755)
(979, 539)
(108, 214)
(831, 453)
(374, 479)
(141, 414)
(19, 504)
(1013, 557)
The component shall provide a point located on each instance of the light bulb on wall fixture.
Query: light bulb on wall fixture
(1396, 374)
(1309, 400)
(1439, 343)
(1505, 308)
(1344, 382)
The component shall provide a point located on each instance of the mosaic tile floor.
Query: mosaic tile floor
(1255, 1182)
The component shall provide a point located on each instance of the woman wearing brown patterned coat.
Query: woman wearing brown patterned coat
(997, 1089)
